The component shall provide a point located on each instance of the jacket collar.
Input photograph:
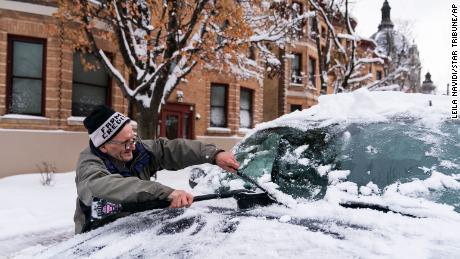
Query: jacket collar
(140, 160)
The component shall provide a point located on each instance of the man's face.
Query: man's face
(121, 147)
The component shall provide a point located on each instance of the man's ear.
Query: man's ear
(103, 149)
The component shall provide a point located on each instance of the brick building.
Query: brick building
(45, 94)
(298, 86)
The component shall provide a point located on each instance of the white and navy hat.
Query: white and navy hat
(103, 124)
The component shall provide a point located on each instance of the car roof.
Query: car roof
(364, 106)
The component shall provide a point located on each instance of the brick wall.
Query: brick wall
(59, 65)
(197, 91)
(36, 26)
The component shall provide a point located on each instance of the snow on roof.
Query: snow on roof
(363, 105)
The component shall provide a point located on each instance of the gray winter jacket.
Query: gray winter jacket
(94, 180)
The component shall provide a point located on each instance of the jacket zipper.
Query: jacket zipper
(131, 168)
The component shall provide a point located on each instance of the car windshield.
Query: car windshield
(384, 153)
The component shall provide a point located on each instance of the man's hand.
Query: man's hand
(227, 161)
(180, 199)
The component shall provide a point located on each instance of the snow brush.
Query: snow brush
(126, 209)
(162, 204)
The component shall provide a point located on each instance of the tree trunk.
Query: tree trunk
(149, 118)
(146, 124)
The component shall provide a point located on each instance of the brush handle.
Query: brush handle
(161, 204)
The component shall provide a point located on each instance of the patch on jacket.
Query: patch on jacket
(101, 208)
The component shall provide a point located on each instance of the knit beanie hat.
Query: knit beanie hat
(103, 124)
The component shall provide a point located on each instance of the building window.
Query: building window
(26, 75)
(323, 32)
(218, 105)
(313, 28)
(296, 107)
(296, 69)
(223, 27)
(252, 53)
(90, 87)
(312, 71)
(379, 75)
(245, 108)
(297, 10)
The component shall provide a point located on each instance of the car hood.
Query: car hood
(216, 229)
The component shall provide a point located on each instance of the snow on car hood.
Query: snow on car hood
(365, 106)
(312, 230)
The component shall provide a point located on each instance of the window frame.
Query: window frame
(252, 53)
(323, 32)
(378, 75)
(301, 11)
(310, 76)
(108, 99)
(251, 106)
(300, 69)
(312, 27)
(225, 86)
(11, 38)
(295, 107)
(220, 39)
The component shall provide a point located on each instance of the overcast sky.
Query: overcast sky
(431, 30)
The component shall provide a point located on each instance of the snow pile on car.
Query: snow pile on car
(365, 106)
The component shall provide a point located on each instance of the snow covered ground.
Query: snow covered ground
(32, 214)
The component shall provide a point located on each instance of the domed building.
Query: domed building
(403, 66)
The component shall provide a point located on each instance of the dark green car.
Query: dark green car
(394, 152)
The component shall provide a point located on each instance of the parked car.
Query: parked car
(393, 150)
(397, 150)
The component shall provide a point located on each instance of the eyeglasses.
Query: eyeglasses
(128, 144)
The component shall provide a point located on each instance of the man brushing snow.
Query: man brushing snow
(117, 166)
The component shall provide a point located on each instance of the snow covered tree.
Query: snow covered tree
(341, 59)
(161, 42)
(406, 28)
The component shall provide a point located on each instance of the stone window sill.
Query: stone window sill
(296, 85)
(218, 130)
(75, 120)
(24, 119)
(244, 131)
